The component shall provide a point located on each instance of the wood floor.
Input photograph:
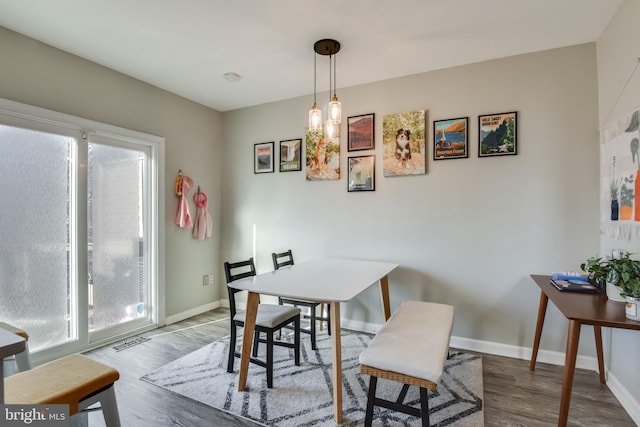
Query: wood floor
(513, 396)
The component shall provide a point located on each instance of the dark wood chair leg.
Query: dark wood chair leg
(329, 319)
(371, 397)
(256, 343)
(312, 328)
(232, 348)
(424, 406)
(296, 341)
(270, 359)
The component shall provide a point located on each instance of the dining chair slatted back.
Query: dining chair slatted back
(270, 319)
(285, 259)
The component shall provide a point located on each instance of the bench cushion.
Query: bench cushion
(63, 381)
(414, 341)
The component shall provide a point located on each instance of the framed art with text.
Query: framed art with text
(361, 132)
(290, 155)
(263, 157)
(450, 139)
(362, 173)
(497, 134)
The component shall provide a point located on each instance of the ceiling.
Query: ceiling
(186, 46)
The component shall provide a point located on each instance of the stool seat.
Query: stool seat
(63, 381)
(13, 329)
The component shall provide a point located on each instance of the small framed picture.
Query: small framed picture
(451, 139)
(290, 155)
(263, 157)
(497, 134)
(361, 132)
(362, 173)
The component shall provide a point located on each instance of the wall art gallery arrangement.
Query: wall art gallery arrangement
(404, 147)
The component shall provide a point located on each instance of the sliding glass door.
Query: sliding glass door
(78, 253)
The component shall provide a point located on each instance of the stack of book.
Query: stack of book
(574, 282)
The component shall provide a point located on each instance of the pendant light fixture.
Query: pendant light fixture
(326, 47)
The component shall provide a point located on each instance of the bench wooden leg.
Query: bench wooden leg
(398, 405)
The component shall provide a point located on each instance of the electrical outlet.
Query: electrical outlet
(205, 280)
(211, 279)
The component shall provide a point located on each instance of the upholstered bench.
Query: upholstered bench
(411, 348)
(23, 359)
(75, 380)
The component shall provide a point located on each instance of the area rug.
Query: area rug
(302, 395)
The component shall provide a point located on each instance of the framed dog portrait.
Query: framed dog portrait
(497, 134)
(361, 132)
(290, 155)
(362, 173)
(263, 157)
(450, 139)
(404, 144)
(322, 156)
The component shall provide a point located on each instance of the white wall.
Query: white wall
(37, 74)
(471, 231)
(618, 55)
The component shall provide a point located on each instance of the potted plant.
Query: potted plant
(623, 273)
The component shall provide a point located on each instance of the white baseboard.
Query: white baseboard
(629, 402)
(174, 318)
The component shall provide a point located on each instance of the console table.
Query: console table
(580, 309)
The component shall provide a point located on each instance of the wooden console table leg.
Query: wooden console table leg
(598, 336)
(573, 338)
(542, 311)
(253, 300)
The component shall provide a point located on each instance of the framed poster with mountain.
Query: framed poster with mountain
(497, 134)
(450, 139)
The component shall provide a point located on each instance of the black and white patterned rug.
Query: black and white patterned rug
(302, 395)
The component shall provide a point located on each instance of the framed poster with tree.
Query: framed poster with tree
(497, 134)
(263, 157)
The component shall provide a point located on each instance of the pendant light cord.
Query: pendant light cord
(315, 70)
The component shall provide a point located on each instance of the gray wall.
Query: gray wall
(618, 56)
(467, 233)
(37, 74)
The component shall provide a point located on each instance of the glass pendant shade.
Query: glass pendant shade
(315, 118)
(335, 110)
(331, 129)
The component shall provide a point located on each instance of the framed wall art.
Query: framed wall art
(322, 156)
(361, 132)
(497, 134)
(263, 157)
(290, 155)
(451, 139)
(404, 144)
(362, 173)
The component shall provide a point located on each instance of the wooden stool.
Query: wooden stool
(75, 380)
(22, 360)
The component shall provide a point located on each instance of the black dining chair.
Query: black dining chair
(284, 259)
(270, 319)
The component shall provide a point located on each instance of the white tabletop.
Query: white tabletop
(10, 344)
(318, 280)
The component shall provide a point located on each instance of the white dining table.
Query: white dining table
(329, 281)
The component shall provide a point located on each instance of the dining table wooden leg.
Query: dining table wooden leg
(337, 362)
(573, 338)
(384, 295)
(542, 311)
(598, 336)
(251, 312)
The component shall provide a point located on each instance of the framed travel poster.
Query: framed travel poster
(263, 157)
(361, 132)
(362, 173)
(497, 134)
(290, 155)
(404, 144)
(450, 139)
